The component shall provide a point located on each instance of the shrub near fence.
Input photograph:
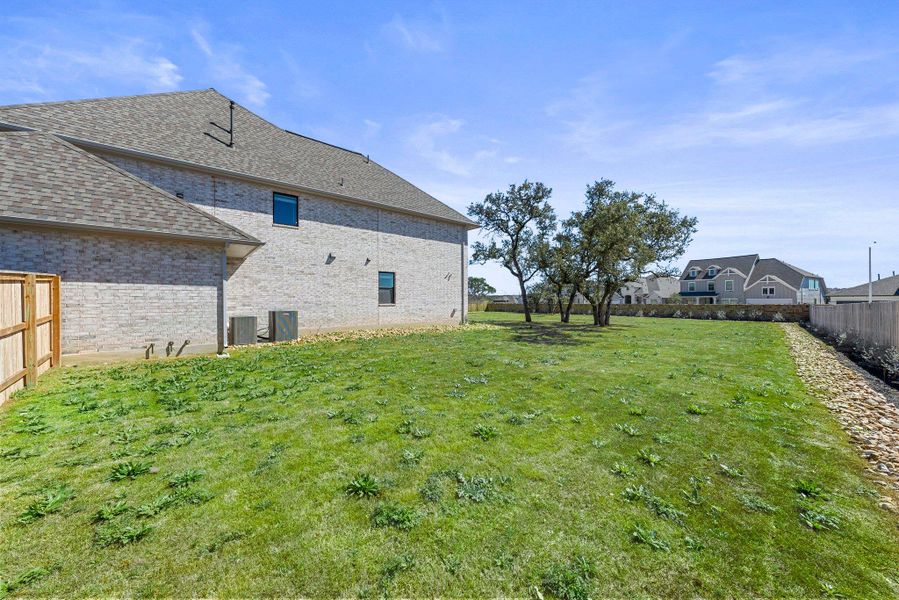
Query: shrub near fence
(724, 312)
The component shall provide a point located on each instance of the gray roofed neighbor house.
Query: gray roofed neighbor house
(778, 268)
(888, 286)
(741, 263)
(47, 181)
(177, 127)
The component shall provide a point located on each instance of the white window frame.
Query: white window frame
(693, 272)
(712, 271)
(691, 286)
(728, 301)
(769, 291)
(711, 286)
(728, 285)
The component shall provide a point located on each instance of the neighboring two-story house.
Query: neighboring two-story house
(165, 213)
(647, 290)
(882, 290)
(748, 279)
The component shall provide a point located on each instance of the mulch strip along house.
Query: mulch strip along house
(163, 214)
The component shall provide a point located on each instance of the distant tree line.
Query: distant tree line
(616, 237)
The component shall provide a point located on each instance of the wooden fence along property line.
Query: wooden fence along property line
(876, 323)
(30, 327)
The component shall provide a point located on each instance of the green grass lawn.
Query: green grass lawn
(657, 457)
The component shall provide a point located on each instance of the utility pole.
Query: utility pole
(870, 281)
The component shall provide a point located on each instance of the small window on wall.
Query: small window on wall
(386, 288)
(768, 291)
(691, 287)
(728, 285)
(285, 210)
(711, 286)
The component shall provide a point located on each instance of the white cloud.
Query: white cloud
(42, 69)
(418, 36)
(424, 141)
(372, 128)
(226, 69)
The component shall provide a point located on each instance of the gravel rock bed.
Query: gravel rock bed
(866, 414)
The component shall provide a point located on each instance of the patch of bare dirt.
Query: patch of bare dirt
(866, 413)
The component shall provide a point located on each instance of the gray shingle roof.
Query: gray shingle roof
(778, 268)
(888, 286)
(742, 263)
(45, 180)
(174, 126)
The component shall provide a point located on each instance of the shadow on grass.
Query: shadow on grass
(560, 334)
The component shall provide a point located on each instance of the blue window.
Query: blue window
(386, 288)
(286, 210)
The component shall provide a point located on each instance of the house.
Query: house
(164, 214)
(651, 289)
(882, 290)
(504, 299)
(748, 279)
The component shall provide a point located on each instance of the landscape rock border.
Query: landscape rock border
(867, 415)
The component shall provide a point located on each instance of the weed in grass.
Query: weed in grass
(694, 494)
(648, 457)
(128, 470)
(571, 580)
(363, 485)
(125, 436)
(732, 472)
(225, 538)
(184, 479)
(351, 418)
(691, 543)
(456, 392)
(395, 566)
(627, 428)
(394, 514)
(17, 453)
(408, 427)
(658, 505)
(31, 423)
(636, 411)
(828, 590)
(476, 379)
(180, 497)
(475, 489)
(649, 537)
(623, 470)
(411, 457)
(111, 510)
(817, 517)
(120, 534)
(739, 399)
(432, 490)
(810, 489)
(599, 444)
(576, 419)
(24, 579)
(756, 504)
(695, 409)
(51, 501)
(357, 438)
(271, 459)
(661, 438)
(485, 432)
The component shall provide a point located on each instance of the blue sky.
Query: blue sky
(776, 124)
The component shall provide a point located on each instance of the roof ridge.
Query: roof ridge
(147, 184)
(122, 97)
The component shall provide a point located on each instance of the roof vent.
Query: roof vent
(229, 131)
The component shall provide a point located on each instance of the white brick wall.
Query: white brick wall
(123, 293)
(291, 272)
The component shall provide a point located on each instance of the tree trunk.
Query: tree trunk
(566, 317)
(524, 300)
(608, 311)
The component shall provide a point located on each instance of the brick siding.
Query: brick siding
(123, 293)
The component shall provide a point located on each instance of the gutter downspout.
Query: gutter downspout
(222, 333)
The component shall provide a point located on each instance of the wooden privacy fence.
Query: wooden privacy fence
(29, 329)
(876, 323)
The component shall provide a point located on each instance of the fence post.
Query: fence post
(30, 306)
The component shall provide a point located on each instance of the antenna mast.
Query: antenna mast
(229, 131)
